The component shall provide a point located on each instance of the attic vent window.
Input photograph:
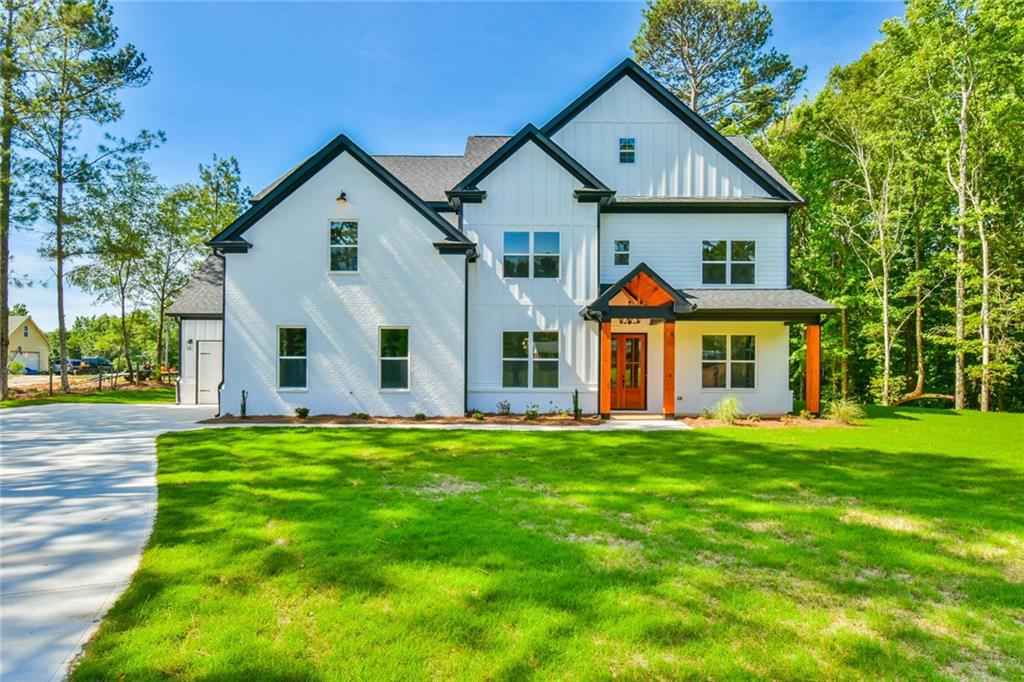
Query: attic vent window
(627, 149)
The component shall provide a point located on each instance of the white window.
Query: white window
(344, 246)
(24, 332)
(291, 357)
(727, 262)
(531, 254)
(529, 359)
(728, 361)
(627, 149)
(621, 252)
(394, 358)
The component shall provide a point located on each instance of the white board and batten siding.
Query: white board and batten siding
(285, 280)
(532, 192)
(200, 370)
(672, 160)
(670, 243)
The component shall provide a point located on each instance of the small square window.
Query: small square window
(621, 253)
(627, 149)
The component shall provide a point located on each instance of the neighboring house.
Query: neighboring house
(200, 311)
(28, 344)
(625, 250)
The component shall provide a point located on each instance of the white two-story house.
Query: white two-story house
(625, 250)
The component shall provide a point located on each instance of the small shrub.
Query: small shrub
(362, 415)
(806, 414)
(755, 417)
(532, 411)
(705, 413)
(728, 409)
(241, 411)
(576, 411)
(479, 416)
(16, 367)
(420, 417)
(845, 412)
(504, 408)
(301, 412)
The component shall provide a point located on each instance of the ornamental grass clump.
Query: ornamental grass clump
(845, 412)
(728, 409)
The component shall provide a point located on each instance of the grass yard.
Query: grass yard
(159, 394)
(893, 550)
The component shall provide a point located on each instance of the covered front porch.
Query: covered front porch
(668, 352)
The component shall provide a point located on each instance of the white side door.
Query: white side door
(209, 368)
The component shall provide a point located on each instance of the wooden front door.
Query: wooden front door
(629, 372)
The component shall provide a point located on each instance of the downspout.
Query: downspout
(223, 329)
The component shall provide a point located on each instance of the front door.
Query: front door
(629, 372)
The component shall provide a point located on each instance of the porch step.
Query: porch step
(625, 417)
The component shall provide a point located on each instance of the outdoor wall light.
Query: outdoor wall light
(189, 344)
(342, 197)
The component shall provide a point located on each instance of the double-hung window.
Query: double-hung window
(344, 246)
(291, 357)
(394, 358)
(529, 359)
(621, 252)
(727, 361)
(727, 262)
(627, 149)
(531, 254)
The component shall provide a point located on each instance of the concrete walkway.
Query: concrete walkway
(77, 500)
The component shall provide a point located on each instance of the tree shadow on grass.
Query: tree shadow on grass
(510, 554)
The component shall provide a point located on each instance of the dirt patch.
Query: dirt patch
(442, 486)
(541, 420)
(890, 522)
(80, 385)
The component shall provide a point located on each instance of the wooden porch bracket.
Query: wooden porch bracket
(604, 392)
(813, 369)
(669, 387)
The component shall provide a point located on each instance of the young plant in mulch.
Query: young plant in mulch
(728, 409)
(301, 412)
(845, 412)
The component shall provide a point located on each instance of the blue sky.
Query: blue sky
(271, 82)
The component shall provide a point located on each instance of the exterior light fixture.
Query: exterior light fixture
(342, 197)
(189, 344)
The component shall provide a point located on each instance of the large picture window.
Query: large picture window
(728, 262)
(728, 361)
(531, 254)
(394, 358)
(291, 357)
(529, 359)
(344, 246)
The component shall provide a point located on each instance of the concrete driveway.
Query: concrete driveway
(77, 500)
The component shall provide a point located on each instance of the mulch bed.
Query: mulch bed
(80, 385)
(541, 420)
(764, 422)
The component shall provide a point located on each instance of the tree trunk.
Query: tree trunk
(918, 312)
(62, 331)
(986, 328)
(6, 143)
(886, 335)
(844, 362)
(959, 390)
(159, 342)
(126, 340)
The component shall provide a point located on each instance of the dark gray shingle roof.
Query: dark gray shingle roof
(745, 146)
(756, 299)
(203, 295)
(429, 177)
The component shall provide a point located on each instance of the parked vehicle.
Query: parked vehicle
(96, 366)
(74, 366)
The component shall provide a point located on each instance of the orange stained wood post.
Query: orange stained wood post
(669, 387)
(813, 396)
(604, 390)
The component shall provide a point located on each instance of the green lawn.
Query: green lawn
(893, 550)
(162, 394)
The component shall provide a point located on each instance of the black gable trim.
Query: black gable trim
(229, 239)
(629, 68)
(602, 308)
(530, 133)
